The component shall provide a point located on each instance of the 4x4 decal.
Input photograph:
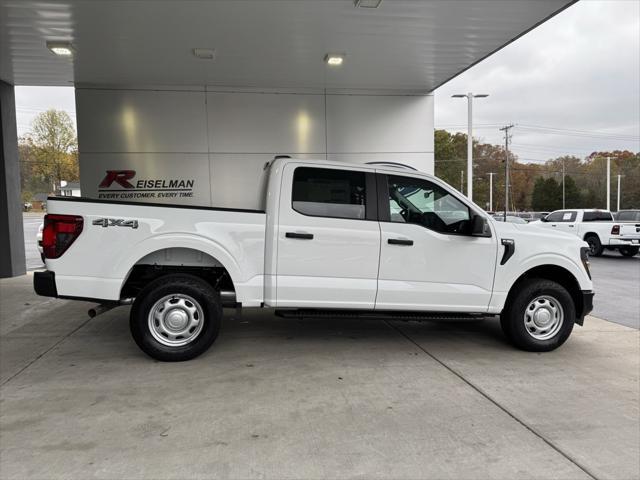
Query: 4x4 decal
(115, 222)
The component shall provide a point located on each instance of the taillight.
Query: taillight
(615, 230)
(60, 231)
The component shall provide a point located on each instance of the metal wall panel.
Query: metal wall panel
(377, 123)
(266, 123)
(238, 179)
(181, 168)
(221, 140)
(141, 121)
(421, 161)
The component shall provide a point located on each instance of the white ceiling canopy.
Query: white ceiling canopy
(416, 45)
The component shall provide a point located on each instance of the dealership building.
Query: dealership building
(185, 101)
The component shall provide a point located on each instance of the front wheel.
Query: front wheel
(539, 317)
(629, 251)
(176, 317)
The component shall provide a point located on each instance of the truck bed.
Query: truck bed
(118, 235)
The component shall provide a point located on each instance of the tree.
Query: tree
(54, 146)
(547, 195)
(572, 195)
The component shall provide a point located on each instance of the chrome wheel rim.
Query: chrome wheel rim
(543, 317)
(176, 320)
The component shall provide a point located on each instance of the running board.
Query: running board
(380, 315)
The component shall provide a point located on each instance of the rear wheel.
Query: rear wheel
(540, 316)
(176, 317)
(629, 251)
(595, 247)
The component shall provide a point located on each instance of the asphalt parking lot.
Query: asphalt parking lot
(278, 398)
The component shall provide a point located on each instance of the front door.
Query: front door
(328, 238)
(428, 260)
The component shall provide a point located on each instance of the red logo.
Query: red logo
(121, 177)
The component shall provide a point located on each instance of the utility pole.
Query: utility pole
(507, 137)
(618, 209)
(563, 207)
(461, 180)
(469, 96)
(491, 174)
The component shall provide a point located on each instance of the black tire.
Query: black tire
(595, 247)
(193, 292)
(629, 251)
(512, 318)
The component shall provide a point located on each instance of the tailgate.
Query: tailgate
(630, 231)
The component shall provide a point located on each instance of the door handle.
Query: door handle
(571, 226)
(301, 236)
(400, 241)
(554, 225)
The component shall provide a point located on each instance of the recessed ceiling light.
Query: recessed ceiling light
(204, 53)
(367, 3)
(334, 59)
(62, 49)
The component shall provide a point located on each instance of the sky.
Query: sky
(577, 76)
(570, 87)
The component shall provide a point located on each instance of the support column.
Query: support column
(12, 259)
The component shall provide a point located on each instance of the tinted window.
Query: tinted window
(324, 192)
(569, 216)
(414, 200)
(629, 216)
(597, 216)
(554, 217)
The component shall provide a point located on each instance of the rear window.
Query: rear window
(598, 216)
(326, 192)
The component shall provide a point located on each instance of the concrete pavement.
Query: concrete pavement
(278, 398)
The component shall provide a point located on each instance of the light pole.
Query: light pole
(563, 183)
(470, 96)
(618, 209)
(491, 174)
(609, 183)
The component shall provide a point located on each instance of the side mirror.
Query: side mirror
(543, 219)
(480, 226)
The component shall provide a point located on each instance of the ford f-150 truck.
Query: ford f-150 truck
(598, 229)
(334, 239)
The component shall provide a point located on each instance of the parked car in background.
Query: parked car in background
(597, 228)
(27, 206)
(628, 216)
(510, 219)
(334, 239)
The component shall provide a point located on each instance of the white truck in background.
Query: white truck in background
(597, 228)
(334, 239)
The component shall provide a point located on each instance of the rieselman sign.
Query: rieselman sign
(122, 185)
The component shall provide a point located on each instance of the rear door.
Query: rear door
(328, 240)
(428, 259)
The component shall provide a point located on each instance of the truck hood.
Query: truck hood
(533, 230)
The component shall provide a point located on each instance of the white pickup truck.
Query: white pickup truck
(335, 239)
(597, 228)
